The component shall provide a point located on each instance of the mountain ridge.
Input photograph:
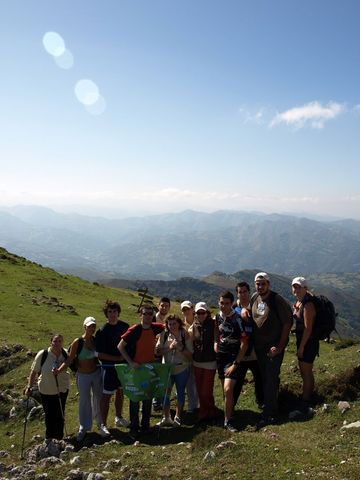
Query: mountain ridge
(188, 243)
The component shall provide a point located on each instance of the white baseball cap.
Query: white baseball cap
(200, 306)
(89, 321)
(261, 275)
(186, 304)
(300, 281)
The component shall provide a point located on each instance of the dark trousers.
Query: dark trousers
(145, 414)
(54, 420)
(270, 372)
(241, 371)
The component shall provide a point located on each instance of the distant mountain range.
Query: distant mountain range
(187, 244)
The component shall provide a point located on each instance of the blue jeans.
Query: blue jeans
(180, 380)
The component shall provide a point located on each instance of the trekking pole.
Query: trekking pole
(167, 384)
(60, 404)
(25, 424)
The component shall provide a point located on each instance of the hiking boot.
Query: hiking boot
(121, 422)
(165, 422)
(230, 427)
(104, 432)
(81, 435)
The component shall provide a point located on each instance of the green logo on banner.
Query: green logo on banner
(148, 381)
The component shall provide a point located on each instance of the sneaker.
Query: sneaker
(230, 427)
(104, 432)
(177, 421)
(121, 422)
(165, 422)
(81, 435)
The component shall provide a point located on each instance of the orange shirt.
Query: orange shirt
(145, 347)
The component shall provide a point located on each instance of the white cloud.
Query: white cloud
(312, 114)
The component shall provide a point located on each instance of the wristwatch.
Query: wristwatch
(236, 363)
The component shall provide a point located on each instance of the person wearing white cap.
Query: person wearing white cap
(202, 333)
(187, 309)
(88, 377)
(307, 343)
(272, 324)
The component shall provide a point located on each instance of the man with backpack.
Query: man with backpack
(137, 346)
(272, 317)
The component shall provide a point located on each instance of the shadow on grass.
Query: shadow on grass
(345, 386)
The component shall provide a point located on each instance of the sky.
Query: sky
(131, 107)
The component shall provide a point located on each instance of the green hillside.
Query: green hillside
(36, 301)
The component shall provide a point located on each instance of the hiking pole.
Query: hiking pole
(167, 385)
(25, 424)
(60, 403)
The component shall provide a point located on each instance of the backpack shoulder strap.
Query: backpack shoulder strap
(64, 353)
(183, 338)
(80, 345)
(43, 357)
(165, 337)
(253, 297)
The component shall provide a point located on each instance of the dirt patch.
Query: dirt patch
(344, 386)
(11, 356)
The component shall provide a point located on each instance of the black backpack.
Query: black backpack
(74, 364)
(45, 354)
(325, 320)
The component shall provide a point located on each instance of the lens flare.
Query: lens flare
(65, 61)
(87, 92)
(54, 44)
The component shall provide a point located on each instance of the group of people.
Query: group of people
(250, 333)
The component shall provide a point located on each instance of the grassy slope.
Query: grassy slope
(311, 449)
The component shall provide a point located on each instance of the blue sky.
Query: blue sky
(249, 105)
